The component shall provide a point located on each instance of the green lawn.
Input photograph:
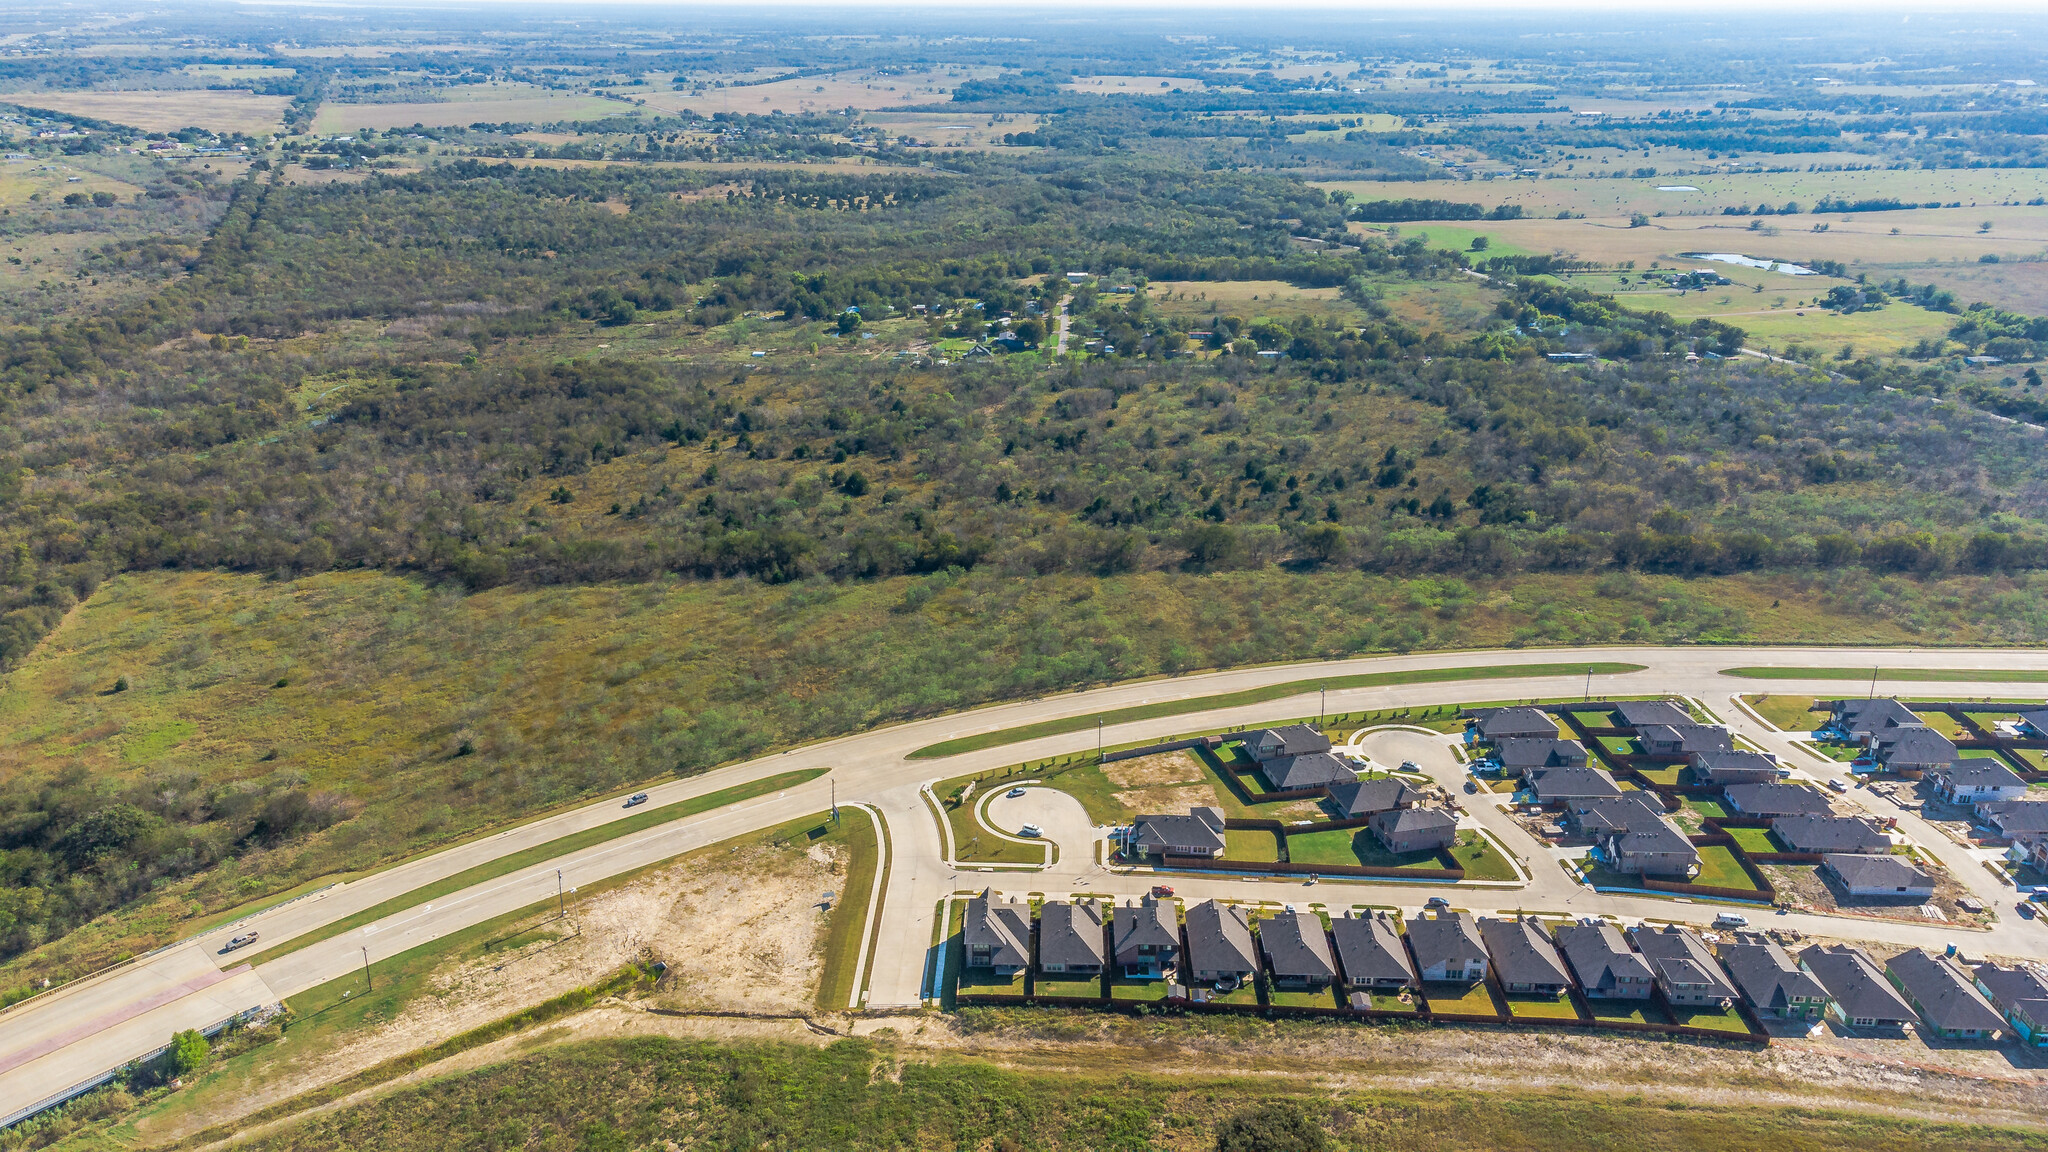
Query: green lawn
(2036, 758)
(1933, 675)
(1546, 1007)
(1321, 998)
(1788, 713)
(1469, 1000)
(1260, 696)
(1707, 809)
(972, 842)
(1719, 869)
(1358, 846)
(1839, 753)
(1090, 987)
(1480, 859)
(1637, 1011)
(505, 865)
(1595, 719)
(1941, 722)
(844, 938)
(1141, 991)
(1390, 1002)
(1719, 1020)
(984, 982)
(1754, 839)
(1247, 994)
(1986, 719)
(1253, 846)
(1663, 773)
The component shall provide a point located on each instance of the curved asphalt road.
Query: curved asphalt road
(55, 1041)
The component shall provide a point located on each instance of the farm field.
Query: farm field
(858, 89)
(170, 110)
(538, 108)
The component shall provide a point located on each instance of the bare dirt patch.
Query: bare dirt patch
(1803, 887)
(1144, 771)
(1168, 801)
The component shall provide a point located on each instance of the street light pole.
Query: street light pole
(561, 905)
(1873, 683)
(1322, 705)
(1098, 741)
(1589, 686)
(366, 968)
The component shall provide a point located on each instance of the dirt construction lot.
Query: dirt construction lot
(1168, 784)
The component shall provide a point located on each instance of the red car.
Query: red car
(1162, 890)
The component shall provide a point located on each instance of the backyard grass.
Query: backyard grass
(1753, 839)
(1941, 722)
(1635, 1011)
(1068, 724)
(1088, 988)
(1461, 999)
(2036, 758)
(1298, 998)
(1391, 1002)
(1621, 745)
(1931, 675)
(1137, 991)
(1246, 995)
(505, 865)
(1840, 753)
(1717, 1019)
(1251, 845)
(1541, 1007)
(1662, 773)
(1706, 809)
(1595, 719)
(1358, 846)
(984, 982)
(1719, 869)
(1786, 713)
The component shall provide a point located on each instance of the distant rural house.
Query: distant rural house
(1632, 834)
(997, 934)
(1944, 995)
(1552, 787)
(1414, 829)
(1359, 798)
(1293, 740)
(1683, 739)
(1513, 723)
(1523, 956)
(1070, 938)
(1830, 834)
(1447, 948)
(1685, 970)
(1220, 945)
(1307, 770)
(1520, 755)
(1878, 876)
(1861, 721)
(1976, 779)
(1297, 949)
(1716, 769)
(1773, 982)
(1858, 993)
(1771, 801)
(1606, 967)
(2020, 994)
(1913, 751)
(1146, 939)
(1371, 953)
(1199, 833)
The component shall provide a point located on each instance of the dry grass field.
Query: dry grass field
(531, 106)
(862, 89)
(168, 111)
(951, 130)
(1134, 85)
(1973, 187)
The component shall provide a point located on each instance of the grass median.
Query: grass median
(540, 853)
(1930, 675)
(1066, 724)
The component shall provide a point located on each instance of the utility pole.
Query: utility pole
(1098, 741)
(1322, 705)
(1873, 684)
(835, 800)
(1589, 685)
(561, 904)
(366, 968)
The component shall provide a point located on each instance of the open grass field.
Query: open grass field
(170, 110)
(950, 130)
(864, 89)
(537, 106)
(1788, 713)
(1248, 299)
(1931, 675)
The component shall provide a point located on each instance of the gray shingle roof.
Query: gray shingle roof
(1977, 772)
(1201, 828)
(1637, 713)
(1370, 949)
(1678, 956)
(1522, 952)
(1003, 925)
(1946, 996)
(1365, 797)
(1600, 955)
(1292, 740)
(1070, 934)
(1297, 946)
(1408, 822)
(1521, 753)
(1506, 722)
(1151, 922)
(1767, 975)
(1830, 834)
(1220, 939)
(1568, 784)
(1616, 813)
(1689, 737)
(1860, 871)
(2010, 816)
(2009, 986)
(1308, 770)
(1724, 767)
(1860, 718)
(1854, 982)
(1451, 936)
(1776, 800)
(1915, 746)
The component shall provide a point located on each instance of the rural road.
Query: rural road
(58, 1040)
